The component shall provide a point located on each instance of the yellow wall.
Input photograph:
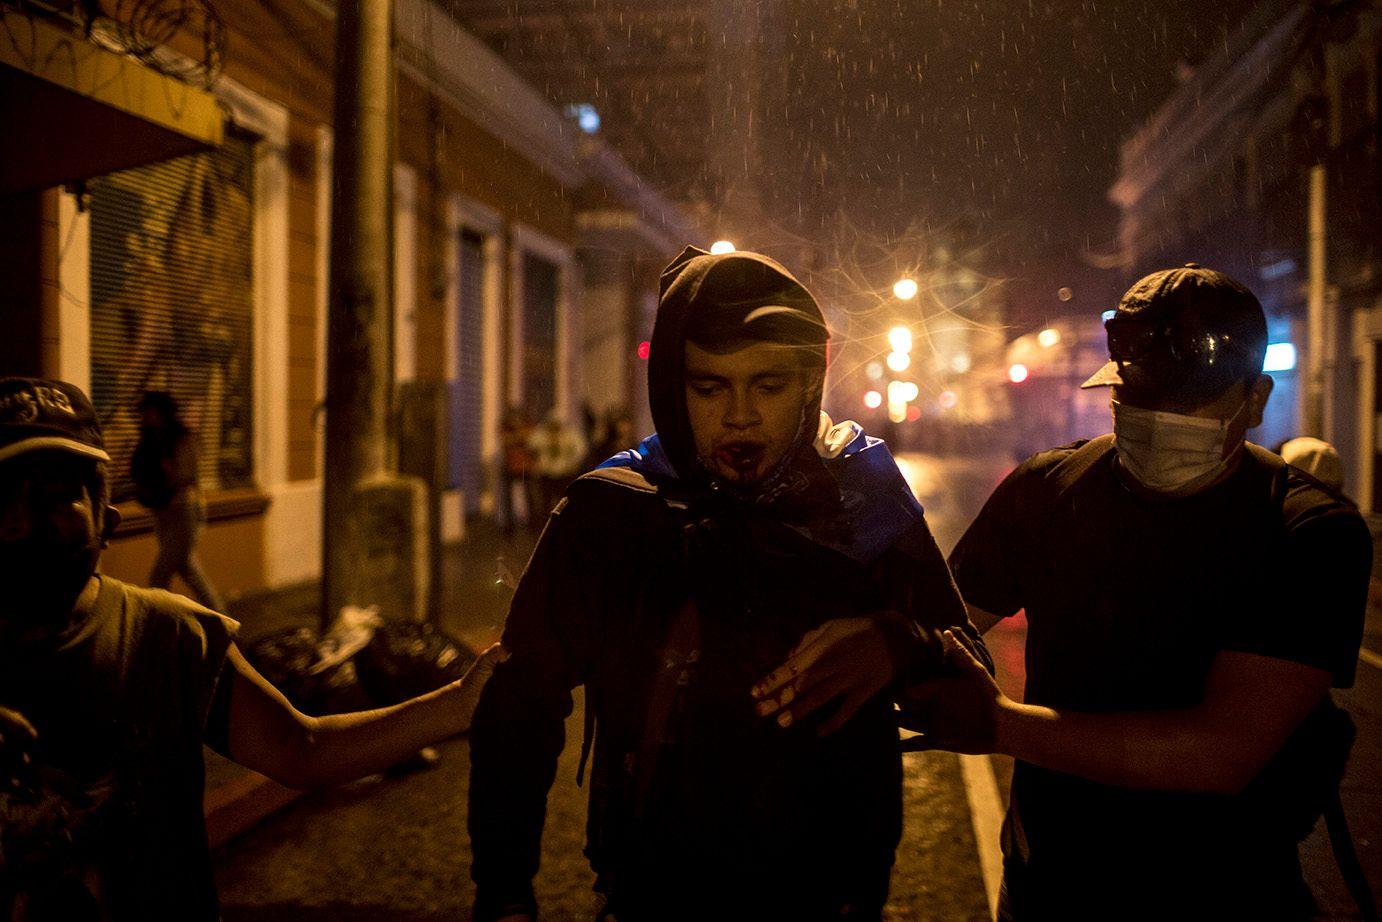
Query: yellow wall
(231, 552)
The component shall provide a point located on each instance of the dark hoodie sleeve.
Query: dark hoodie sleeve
(518, 731)
(929, 603)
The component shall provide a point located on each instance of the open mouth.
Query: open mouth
(744, 458)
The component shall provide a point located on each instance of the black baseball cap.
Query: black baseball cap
(39, 415)
(1187, 333)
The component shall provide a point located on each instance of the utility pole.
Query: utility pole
(370, 515)
(1315, 419)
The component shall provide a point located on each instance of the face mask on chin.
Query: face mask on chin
(1170, 452)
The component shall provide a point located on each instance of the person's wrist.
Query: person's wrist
(913, 654)
(1010, 721)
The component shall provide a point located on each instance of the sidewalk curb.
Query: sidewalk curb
(242, 803)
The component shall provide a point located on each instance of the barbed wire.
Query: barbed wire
(143, 29)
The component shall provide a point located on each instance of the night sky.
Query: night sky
(1003, 118)
(892, 127)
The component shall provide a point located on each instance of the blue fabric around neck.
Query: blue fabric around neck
(877, 505)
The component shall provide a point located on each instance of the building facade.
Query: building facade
(1264, 164)
(205, 274)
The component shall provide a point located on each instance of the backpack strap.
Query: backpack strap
(685, 628)
(1068, 472)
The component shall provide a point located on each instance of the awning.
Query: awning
(70, 110)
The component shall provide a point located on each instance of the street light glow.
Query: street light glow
(905, 289)
(1048, 338)
(947, 400)
(721, 246)
(902, 391)
(1017, 373)
(898, 361)
(874, 370)
(873, 400)
(900, 338)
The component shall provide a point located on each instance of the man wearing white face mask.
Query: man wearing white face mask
(1190, 601)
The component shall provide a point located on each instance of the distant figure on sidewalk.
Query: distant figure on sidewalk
(558, 451)
(108, 692)
(164, 469)
(1317, 458)
(515, 467)
(614, 434)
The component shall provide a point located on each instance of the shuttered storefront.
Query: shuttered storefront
(467, 412)
(539, 336)
(172, 305)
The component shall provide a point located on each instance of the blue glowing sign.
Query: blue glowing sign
(1279, 357)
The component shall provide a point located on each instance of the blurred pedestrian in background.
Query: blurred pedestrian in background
(516, 465)
(612, 433)
(164, 470)
(558, 453)
(1317, 458)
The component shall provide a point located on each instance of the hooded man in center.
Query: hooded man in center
(743, 596)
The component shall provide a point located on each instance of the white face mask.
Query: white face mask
(1170, 452)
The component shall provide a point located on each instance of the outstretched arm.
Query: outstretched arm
(267, 734)
(1251, 705)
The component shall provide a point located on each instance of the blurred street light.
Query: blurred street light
(873, 400)
(960, 363)
(1017, 373)
(905, 289)
(902, 391)
(874, 370)
(1048, 338)
(899, 361)
(900, 338)
(947, 400)
(721, 246)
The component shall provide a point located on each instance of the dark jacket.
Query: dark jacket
(699, 808)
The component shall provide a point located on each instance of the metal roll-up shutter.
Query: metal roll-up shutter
(539, 336)
(172, 305)
(467, 412)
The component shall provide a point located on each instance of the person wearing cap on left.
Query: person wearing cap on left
(108, 691)
(1190, 600)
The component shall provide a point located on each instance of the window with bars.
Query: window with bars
(172, 305)
(540, 279)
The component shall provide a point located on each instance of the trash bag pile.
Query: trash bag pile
(362, 661)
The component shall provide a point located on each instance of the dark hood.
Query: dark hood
(695, 282)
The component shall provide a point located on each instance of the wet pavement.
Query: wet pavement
(396, 847)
